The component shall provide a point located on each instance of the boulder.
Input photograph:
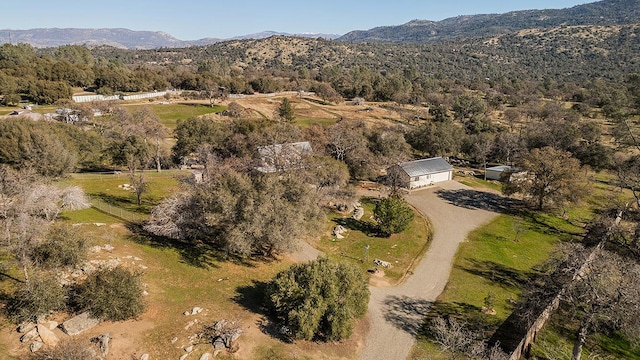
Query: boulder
(205, 356)
(196, 310)
(218, 344)
(184, 356)
(47, 336)
(79, 324)
(29, 335)
(173, 341)
(144, 357)
(358, 213)
(50, 324)
(338, 231)
(24, 327)
(189, 348)
(219, 325)
(35, 346)
(103, 340)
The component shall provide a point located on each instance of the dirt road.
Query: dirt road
(396, 313)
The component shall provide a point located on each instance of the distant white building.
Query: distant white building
(282, 157)
(419, 173)
(498, 172)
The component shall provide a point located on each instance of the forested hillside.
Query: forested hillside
(605, 13)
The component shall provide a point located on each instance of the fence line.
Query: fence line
(524, 346)
(115, 211)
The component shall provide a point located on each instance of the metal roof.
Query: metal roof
(501, 168)
(426, 166)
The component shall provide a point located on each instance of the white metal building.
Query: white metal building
(497, 172)
(419, 173)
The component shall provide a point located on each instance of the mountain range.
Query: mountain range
(603, 13)
(122, 38)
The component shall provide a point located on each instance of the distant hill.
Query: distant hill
(120, 38)
(605, 13)
(267, 34)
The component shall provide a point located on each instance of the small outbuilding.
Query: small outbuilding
(419, 173)
(498, 172)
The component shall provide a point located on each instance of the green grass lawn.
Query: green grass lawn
(108, 188)
(497, 259)
(169, 114)
(478, 182)
(400, 250)
(306, 121)
(501, 256)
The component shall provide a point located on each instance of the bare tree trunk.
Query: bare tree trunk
(580, 339)
(485, 170)
(158, 167)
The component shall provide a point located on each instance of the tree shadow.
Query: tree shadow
(252, 298)
(471, 315)
(539, 224)
(196, 254)
(406, 313)
(480, 200)
(4, 276)
(497, 273)
(364, 227)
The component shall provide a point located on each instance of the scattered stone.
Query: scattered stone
(205, 356)
(196, 310)
(189, 348)
(216, 352)
(24, 327)
(35, 346)
(103, 340)
(108, 247)
(186, 313)
(29, 335)
(219, 325)
(145, 293)
(47, 336)
(338, 230)
(144, 357)
(218, 344)
(382, 263)
(137, 258)
(358, 213)
(79, 324)
(98, 224)
(95, 249)
(143, 267)
(184, 356)
(174, 340)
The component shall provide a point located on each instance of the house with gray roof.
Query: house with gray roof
(419, 173)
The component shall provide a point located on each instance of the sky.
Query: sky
(196, 19)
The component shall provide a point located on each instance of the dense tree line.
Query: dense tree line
(515, 66)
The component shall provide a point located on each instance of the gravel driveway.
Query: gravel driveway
(396, 313)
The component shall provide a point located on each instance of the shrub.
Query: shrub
(111, 294)
(320, 299)
(72, 349)
(64, 246)
(393, 214)
(37, 297)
